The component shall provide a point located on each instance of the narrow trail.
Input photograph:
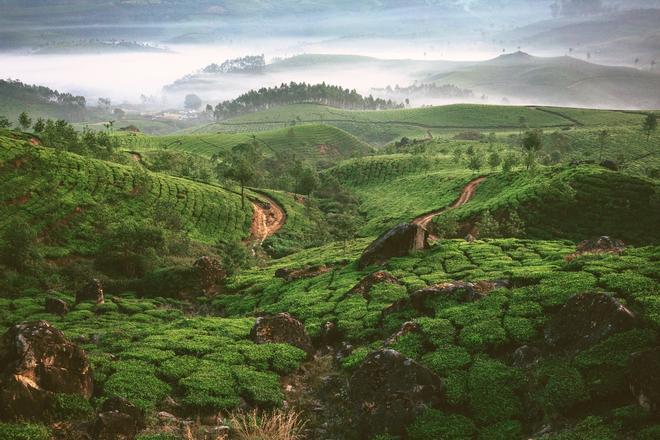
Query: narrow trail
(466, 195)
(268, 218)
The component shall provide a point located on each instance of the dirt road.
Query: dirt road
(466, 195)
(268, 218)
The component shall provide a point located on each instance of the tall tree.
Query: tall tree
(241, 165)
(650, 125)
(532, 143)
(24, 121)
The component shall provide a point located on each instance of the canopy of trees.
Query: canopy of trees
(248, 64)
(31, 93)
(296, 93)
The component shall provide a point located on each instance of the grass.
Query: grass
(68, 198)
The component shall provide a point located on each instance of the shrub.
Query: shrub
(260, 388)
(492, 387)
(563, 387)
(446, 358)
(211, 387)
(438, 331)
(354, 359)
(509, 429)
(23, 431)
(589, 428)
(409, 345)
(433, 424)
(520, 330)
(136, 382)
(483, 334)
(456, 388)
(71, 407)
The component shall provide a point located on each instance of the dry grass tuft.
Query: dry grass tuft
(276, 425)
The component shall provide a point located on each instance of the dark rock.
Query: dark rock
(586, 319)
(470, 238)
(281, 329)
(56, 306)
(601, 244)
(329, 334)
(209, 273)
(36, 362)
(644, 378)
(364, 286)
(397, 242)
(114, 425)
(301, 273)
(610, 165)
(92, 291)
(126, 407)
(525, 356)
(406, 328)
(388, 391)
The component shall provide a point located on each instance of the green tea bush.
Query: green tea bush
(562, 387)
(506, 430)
(436, 424)
(446, 358)
(492, 391)
(23, 431)
(137, 382)
(71, 407)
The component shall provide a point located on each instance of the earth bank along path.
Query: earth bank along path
(268, 218)
(466, 195)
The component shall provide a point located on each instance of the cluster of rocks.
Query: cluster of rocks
(282, 328)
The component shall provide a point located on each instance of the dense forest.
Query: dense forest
(296, 93)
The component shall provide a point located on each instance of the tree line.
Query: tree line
(296, 93)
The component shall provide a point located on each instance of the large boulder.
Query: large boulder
(92, 291)
(644, 378)
(56, 306)
(209, 273)
(586, 319)
(388, 391)
(365, 285)
(397, 242)
(37, 362)
(281, 329)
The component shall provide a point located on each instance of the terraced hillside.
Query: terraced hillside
(68, 198)
(572, 203)
(311, 143)
(381, 127)
(472, 344)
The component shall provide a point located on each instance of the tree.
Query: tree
(494, 160)
(4, 122)
(192, 102)
(235, 256)
(39, 126)
(650, 125)
(475, 163)
(241, 165)
(603, 135)
(488, 226)
(457, 155)
(19, 244)
(510, 161)
(532, 143)
(105, 103)
(24, 121)
(129, 247)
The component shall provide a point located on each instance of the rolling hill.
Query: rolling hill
(312, 143)
(69, 199)
(560, 81)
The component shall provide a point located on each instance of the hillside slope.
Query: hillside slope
(69, 199)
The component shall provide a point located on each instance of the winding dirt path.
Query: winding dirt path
(268, 218)
(466, 195)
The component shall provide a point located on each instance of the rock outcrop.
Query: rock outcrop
(209, 273)
(388, 391)
(56, 306)
(397, 242)
(586, 319)
(37, 362)
(92, 291)
(301, 273)
(644, 379)
(363, 288)
(281, 329)
(119, 419)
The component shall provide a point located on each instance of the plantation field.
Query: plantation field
(469, 343)
(67, 198)
(572, 203)
(384, 126)
(311, 143)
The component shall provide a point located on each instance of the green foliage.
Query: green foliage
(589, 428)
(447, 358)
(492, 391)
(436, 424)
(71, 407)
(24, 431)
(18, 244)
(563, 387)
(136, 381)
(505, 430)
